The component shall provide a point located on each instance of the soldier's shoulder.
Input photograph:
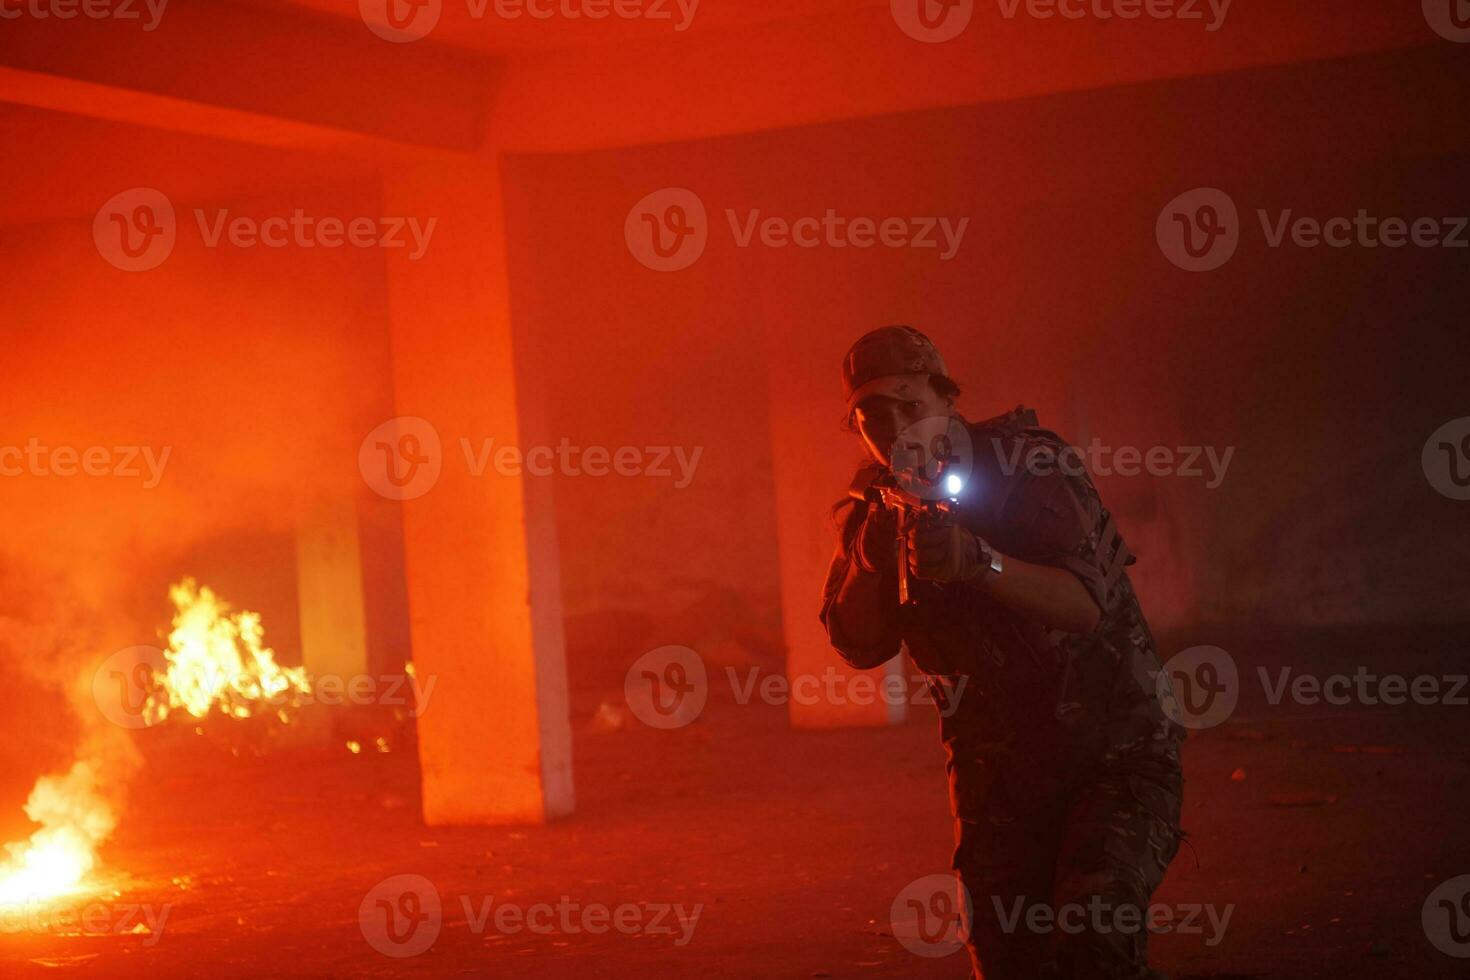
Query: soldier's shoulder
(1019, 423)
(1015, 439)
(1007, 424)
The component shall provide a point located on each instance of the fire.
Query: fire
(74, 820)
(217, 658)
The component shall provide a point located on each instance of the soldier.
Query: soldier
(1063, 767)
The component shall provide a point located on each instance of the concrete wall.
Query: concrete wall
(1325, 369)
(258, 370)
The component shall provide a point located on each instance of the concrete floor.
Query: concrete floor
(795, 844)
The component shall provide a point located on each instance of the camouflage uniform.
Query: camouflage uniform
(1064, 770)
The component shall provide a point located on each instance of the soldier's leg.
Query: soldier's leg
(1120, 834)
(1006, 856)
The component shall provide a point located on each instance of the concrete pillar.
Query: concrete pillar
(329, 589)
(483, 592)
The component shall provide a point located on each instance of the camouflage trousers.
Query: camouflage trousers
(1059, 866)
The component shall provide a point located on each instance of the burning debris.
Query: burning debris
(75, 819)
(217, 658)
(216, 663)
(216, 675)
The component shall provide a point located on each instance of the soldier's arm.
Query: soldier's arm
(1058, 570)
(1051, 596)
(860, 608)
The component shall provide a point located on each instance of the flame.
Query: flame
(218, 658)
(74, 820)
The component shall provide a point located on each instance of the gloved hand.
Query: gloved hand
(876, 543)
(942, 551)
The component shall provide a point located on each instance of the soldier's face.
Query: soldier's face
(880, 418)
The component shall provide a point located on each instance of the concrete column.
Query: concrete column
(329, 590)
(483, 593)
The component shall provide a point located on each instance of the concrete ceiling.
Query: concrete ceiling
(309, 86)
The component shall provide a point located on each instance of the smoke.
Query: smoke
(51, 639)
